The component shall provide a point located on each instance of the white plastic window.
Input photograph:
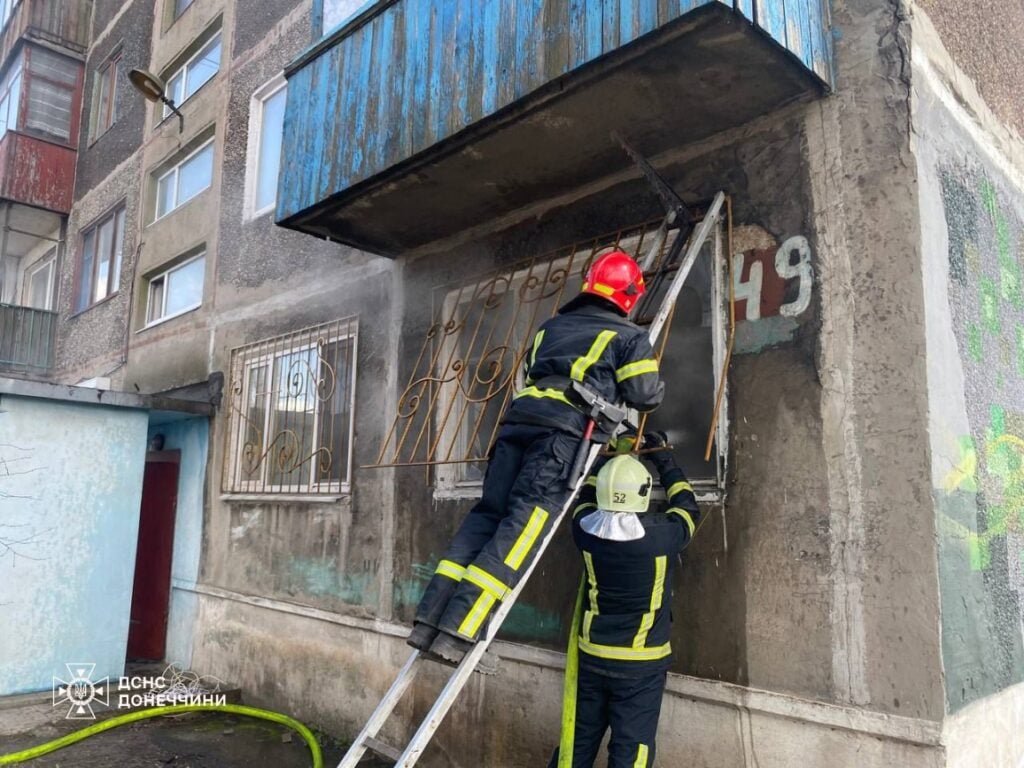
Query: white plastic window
(194, 73)
(185, 180)
(176, 291)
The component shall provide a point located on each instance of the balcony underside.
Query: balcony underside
(707, 73)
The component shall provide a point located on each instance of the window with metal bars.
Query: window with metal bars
(470, 362)
(290, 413)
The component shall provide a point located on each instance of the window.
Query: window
(39, 283)
(185, 180)
(51, 84)
(471, 360)
(194, 74)
(99, 272)
(180, 6)
(176, 291)
(335, 12)
(10, 98)
(291, 415)
(265, 131)
(6, 11)
(104, 113)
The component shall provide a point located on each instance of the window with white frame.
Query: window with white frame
(488, 326)
(194, 73)
(39, 282)
(10, 98)
(266, 127)
(99, 267)
(177, 290)
(184, 180)
(290, 401)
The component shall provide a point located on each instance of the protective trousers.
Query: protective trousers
(524, 487)
(631, 706)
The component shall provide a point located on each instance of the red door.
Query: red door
(147, 633)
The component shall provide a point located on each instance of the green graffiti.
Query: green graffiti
(974, 343)
(989, 306)
(320, 578)
(1003, 464)
(1020, 350)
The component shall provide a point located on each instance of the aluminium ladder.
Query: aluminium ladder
(407, 757)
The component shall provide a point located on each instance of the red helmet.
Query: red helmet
(617, 278)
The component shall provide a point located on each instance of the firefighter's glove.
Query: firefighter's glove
(657, 451)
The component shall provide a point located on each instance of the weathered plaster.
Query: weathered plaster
(67, 586)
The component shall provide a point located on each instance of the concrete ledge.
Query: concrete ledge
(906, 730)
(90, 396)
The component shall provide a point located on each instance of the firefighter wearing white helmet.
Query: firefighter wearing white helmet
(619, 651)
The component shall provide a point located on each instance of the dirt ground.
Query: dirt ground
(201, 740)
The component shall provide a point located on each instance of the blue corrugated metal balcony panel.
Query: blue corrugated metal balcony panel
(415, 119)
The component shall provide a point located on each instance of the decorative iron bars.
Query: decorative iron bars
(471, 360)
(290, 412)
(26, 338)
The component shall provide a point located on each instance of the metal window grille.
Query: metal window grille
(470, 362)
(290, 412)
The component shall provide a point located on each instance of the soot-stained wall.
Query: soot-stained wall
(732, 620)
(973, 229)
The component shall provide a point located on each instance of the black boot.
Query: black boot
(451, 648)
(422, 636)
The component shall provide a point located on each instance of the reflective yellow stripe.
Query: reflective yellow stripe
(657, 595)
(588, 617)
(487, 583)
(536, 345)
(679, 487)
(601, 288)
(625, 654)
(525, 541)
(686, 517)
(581, 366)
(572, 663)
(451, 570)
(635, 369)
(532, 391)
(471, 624)
(581, 507)
(641, 757)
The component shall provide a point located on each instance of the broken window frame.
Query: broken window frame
(243, 437)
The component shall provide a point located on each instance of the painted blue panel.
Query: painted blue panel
(771, 17)
(798, 30)
(67, 598)
(420, 71)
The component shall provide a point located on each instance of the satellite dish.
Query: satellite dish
(148, 84)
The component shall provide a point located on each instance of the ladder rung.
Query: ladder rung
(385, 750)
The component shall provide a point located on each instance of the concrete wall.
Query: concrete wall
(69, 514)
(972, 224)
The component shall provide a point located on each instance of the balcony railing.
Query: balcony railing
(26, 339)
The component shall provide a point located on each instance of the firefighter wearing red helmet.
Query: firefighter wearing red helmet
(590, 341)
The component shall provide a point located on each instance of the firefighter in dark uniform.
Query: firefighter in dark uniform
(592, 342)
(619, 650)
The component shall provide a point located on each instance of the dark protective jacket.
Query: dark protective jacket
(627, 585)
(595, 346)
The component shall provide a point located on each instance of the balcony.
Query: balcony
(64, 23)
(36, 172)
(26, 339)
(419, 118)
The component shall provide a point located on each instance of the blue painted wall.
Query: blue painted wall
(72, 494)
(192, 438)
(412, 73)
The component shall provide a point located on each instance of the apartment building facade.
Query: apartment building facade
(346, 239)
